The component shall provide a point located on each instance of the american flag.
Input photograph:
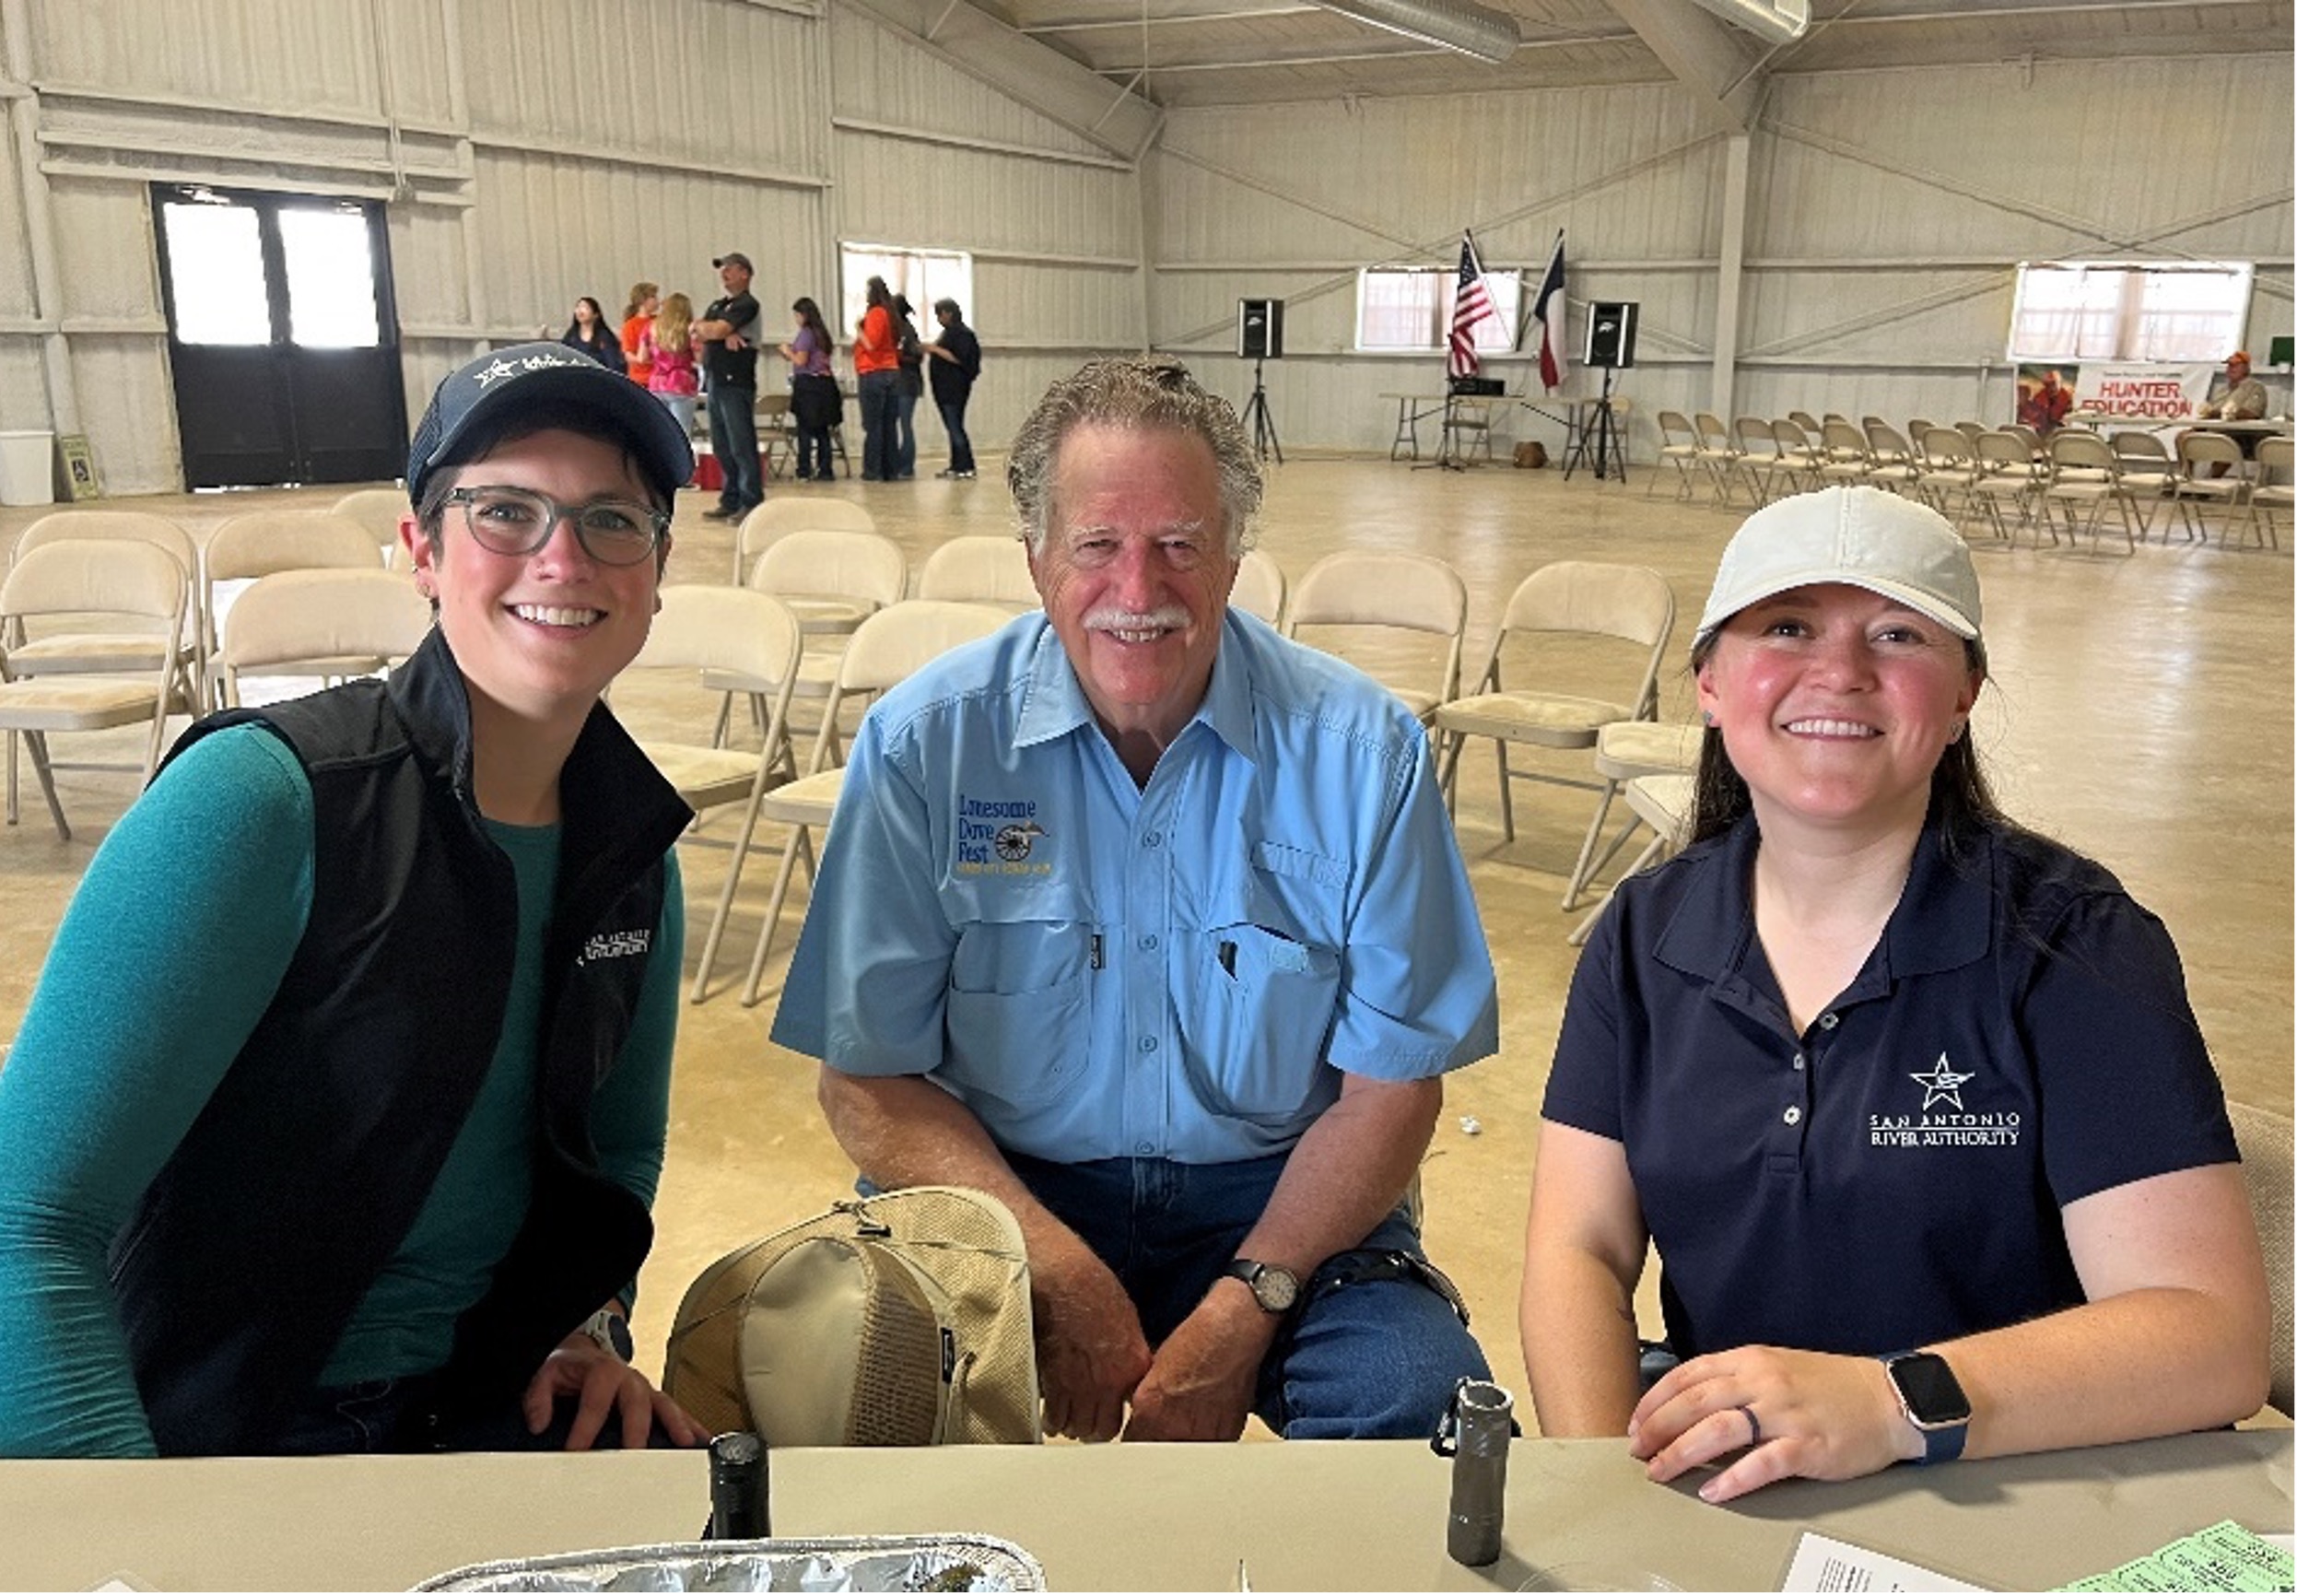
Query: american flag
(1471, 303)
(1551, 308)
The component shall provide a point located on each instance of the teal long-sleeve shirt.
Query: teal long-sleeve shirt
(171, 949)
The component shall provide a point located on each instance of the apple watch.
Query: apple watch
(1274, 1287)
(1932, 1399)
(611, 1332)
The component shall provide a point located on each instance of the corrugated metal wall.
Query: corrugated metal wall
(1886, 212)
(533, 151)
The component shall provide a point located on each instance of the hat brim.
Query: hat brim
(1897, 592)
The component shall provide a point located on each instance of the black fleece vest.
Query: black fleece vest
(303, 1174)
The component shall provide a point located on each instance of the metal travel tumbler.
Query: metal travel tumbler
(1485, 1419)
(737, 1488)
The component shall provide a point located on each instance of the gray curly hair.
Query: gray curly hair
(1140, 392)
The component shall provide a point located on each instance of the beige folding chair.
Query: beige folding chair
(1804, 419)
(777, 432)
(1369, 590)
(1667, 804)
(377, 510)
(1846, 459)
(752, 637)
(97, 643)
(891, 644)
(266, 541)
(1467, 429)
(1260, 589)
(2147, 471)
(2267, 494)
(1891, 459)
(2266, 1161)
(1555, 605)
(1970, 432)
(980, 568)
(1949, 470)
(2007, 473)
(1718, 454)
(1798, 457)
(309, 623)
(114, 578)
(832, 582)
(1678, 447)
(1626, 751)
(793, 514)
(2199, 483)
(2083, 471)
(1758, 458)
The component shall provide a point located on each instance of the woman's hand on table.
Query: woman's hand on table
(1819, 1415)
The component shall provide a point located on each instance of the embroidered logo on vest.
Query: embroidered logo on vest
(614, 944)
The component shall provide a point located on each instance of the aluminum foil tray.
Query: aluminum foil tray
(827, 1563)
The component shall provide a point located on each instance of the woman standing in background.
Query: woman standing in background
(815, 403)
(637, 315)
(588, 333)
(666, 347)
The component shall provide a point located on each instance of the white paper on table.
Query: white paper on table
(1823, 1562)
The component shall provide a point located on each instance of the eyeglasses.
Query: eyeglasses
(516, 520)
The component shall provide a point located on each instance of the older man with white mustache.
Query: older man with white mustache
(1150, 923)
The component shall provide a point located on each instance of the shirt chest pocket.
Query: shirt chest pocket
(1018, 1016)
(1265, 970)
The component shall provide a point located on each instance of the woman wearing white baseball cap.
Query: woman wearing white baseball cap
(1910, 1099)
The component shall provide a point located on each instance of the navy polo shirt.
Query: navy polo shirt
(2019, 1039)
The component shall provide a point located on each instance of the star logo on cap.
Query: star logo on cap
(498, 368)
(1943, 1084)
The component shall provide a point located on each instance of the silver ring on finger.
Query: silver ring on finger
(1755, 1425)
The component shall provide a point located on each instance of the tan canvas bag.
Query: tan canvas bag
(898, 1320)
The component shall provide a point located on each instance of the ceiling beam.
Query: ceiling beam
(1034, 74)
(1711, 62)
(1168, 12)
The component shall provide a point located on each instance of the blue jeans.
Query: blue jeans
(960, 446)
(905, 433)
(733, 439)
(881, 415)
(681, 408)
(1375, 1359)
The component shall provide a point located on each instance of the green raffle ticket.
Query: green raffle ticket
(2223, 1557)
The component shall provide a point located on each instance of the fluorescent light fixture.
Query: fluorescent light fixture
(1780, 21)
(1460, 25)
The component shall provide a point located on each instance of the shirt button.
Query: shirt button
(1144, 1148)
(1792, 1116)
(1798, 1061)
(1148, 1044)
(1828, 1022)
(1149, 941)
(1151, 838)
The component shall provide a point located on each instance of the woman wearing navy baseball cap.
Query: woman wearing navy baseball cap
(360, 1157)
(1910, 1099)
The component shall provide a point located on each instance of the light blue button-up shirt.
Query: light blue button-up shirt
(1101, 970)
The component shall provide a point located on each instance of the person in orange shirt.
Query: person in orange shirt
(877, 365)
(637, 315)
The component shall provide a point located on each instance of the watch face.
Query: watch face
(1278, 1290)
(1933, 1396)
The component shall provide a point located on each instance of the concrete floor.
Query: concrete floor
(2140, 711)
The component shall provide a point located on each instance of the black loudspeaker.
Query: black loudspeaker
(1611, 335)
(1260, 329)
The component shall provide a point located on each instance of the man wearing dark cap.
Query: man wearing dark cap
(363, 1159)
(728, 333)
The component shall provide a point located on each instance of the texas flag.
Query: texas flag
(1550, 307)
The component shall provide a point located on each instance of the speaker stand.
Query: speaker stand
(1600, 434)
(1265, 440)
